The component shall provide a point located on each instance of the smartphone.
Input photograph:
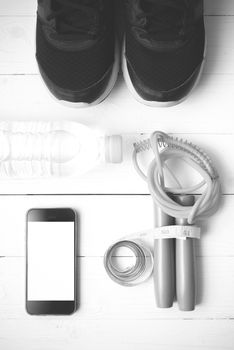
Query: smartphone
(51, 269)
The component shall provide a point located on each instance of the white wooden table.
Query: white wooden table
(113, 201)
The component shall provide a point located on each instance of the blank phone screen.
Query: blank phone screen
(50, 261)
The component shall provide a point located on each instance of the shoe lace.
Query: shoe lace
(76, 16)
(165, 18)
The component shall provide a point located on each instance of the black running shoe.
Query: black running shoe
(75, 49)
(164, 49)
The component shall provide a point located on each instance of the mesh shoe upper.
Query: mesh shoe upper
(164, 51)
(165, 70)
(78, 50)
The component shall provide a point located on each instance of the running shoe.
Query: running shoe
(76, 49)
(163, 50)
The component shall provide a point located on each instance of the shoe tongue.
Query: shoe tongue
(69, 23)
(165, 21)
(73, 20)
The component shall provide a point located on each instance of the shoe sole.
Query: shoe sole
(135, 94)
(104, 95)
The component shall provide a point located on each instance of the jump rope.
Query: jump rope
(177, 214)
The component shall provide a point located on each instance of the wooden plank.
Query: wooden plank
(219, 8)
(47, 334)
(118, 317)
(17, 43)
(28, 7)
(208, 110)
(200, 113)
(18, 8)
(101, 298)
(122, 178)
(27, 98)
(105, 219)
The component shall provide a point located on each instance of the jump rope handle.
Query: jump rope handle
(185, 263)
(164, 263)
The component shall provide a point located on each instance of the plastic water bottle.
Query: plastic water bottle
(45, 149)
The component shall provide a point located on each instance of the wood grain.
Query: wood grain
(73, 333)
(105, 219)
(101, 298)
(111, 316)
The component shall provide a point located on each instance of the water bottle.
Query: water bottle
(44, 149)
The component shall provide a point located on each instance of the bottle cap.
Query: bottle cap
(114, 149)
